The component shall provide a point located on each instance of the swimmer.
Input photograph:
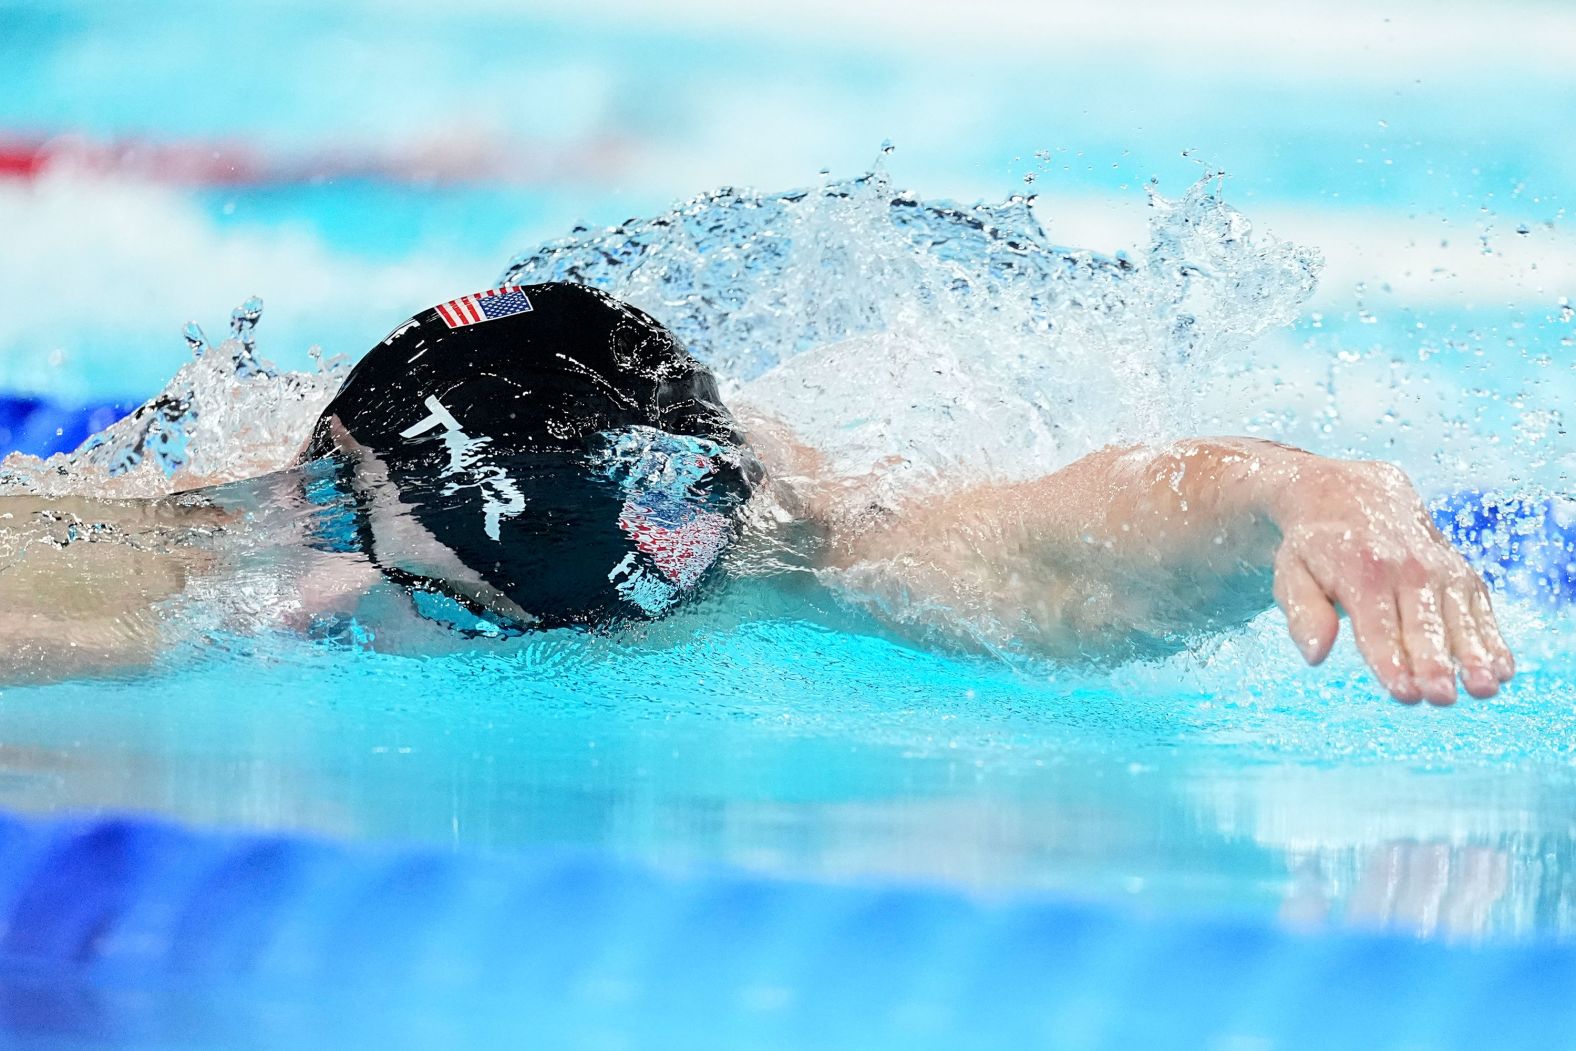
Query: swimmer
(546, 456)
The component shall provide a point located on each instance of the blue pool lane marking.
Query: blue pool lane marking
(138, 933)
(41, 427)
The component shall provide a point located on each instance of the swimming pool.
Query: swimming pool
(769, 824)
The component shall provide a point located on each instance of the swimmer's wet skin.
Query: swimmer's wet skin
(1129, 545)
(547, 456)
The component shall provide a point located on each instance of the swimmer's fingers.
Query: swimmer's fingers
(1428, 646)
(1366, 590)
(1310, 615)
(1369, 602)
(1488, 627)
(1478, 610)
(1470, 647)
(1472, 631)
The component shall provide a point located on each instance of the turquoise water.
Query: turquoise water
(796, 749)
(1225, 816)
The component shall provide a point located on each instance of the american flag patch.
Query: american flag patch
(484, 306)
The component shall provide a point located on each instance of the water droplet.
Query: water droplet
(243, 319)
(195, 339)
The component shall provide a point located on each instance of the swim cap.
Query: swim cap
(561, 443)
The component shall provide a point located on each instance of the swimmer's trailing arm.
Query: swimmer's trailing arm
(1136, 545)
(81, 582)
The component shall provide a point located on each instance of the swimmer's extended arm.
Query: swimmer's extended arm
(86, 585)
(76, 600)
(1134, 548)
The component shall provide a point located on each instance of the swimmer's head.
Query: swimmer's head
(545, 449)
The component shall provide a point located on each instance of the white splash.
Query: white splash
(888, 330)
(225, 415)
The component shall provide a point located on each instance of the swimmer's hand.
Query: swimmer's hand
(1129, 552)
(1356, 536)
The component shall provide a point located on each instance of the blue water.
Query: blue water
(158, 937)
(767, 823)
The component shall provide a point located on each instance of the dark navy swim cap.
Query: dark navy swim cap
(561, 443)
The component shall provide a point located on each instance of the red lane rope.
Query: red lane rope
(20, 160)
(459, 160)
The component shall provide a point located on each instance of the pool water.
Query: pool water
(766, 822)
(796, 749)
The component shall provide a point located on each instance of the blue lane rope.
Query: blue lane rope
(138, 933)
(41, 427)
(1526, 547)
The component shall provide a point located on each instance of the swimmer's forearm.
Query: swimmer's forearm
(1137, 548)
(81, 583)
(1131, 549)
(1209, 503)
(1118, 554)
